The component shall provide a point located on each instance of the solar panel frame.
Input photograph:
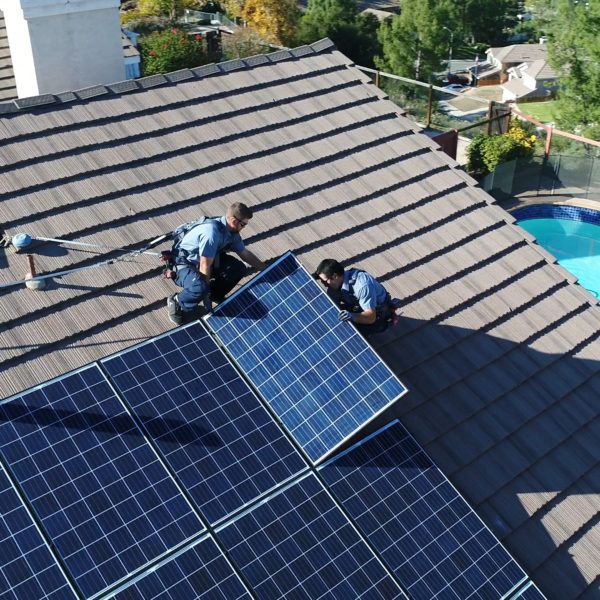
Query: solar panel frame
(529, 592)
(125, 511)
(424, 530)
(298, 543)
(198, 571)
(28, 568)
(320, 377)
(205, 420)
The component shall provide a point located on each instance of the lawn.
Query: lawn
(542, 111)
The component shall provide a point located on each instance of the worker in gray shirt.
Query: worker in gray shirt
(363, 300)
(203, 267)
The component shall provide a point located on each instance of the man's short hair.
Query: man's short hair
(239, 211)
(329, 267)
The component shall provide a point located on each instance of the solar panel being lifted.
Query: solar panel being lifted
(424, 530)
(212, 430)
(319, 376)
(99, 490)
(28, 570)
(194, 573)
(299, 544)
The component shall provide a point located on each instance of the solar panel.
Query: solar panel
(212, 430)
(28, 569)
(319, 376)
(99, 490)
(298, 544)
(197, 572)
(424, 530)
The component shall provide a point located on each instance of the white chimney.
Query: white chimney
(63, 45)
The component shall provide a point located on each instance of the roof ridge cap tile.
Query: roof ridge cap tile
(322, 45)
(33, 101)
(151, 81)
(91, 92)
(181, 75)
(279, 55)
(231, 65)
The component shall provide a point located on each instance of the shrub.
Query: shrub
(485, 153)
(170, 50)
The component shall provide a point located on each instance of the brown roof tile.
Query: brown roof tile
(498, 347)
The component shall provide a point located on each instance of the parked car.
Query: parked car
(461, 78)
(455, 87)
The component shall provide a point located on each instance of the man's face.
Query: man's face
(236, 224)
(334, 282)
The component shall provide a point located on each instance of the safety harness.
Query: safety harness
(348, 301)
(177, 255)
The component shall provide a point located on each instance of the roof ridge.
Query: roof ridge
(131, 85)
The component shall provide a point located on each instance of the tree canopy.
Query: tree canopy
(354, 34)
(275, 21)
(415, 42)
(574, 51)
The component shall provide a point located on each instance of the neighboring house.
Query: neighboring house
(388, 6)
(499, 61)
(527, 81)
(498, 346)
(8, 87)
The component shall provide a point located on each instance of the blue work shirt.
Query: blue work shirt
(362, 288)
(209, 239)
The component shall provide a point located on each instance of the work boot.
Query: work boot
(174, 309)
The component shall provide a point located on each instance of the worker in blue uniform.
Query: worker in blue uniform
(203, 267)
(363, 300)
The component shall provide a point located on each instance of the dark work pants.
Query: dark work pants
(382, 319)
(224, 278)
(382, 322)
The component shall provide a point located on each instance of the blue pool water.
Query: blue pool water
(575, 244)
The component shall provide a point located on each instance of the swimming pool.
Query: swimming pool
(569, 233)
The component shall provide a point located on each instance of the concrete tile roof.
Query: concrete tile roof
(497, 344)
(519, 53)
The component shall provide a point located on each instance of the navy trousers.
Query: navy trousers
(224, 278)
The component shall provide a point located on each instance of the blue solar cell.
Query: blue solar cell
(319, 376)
(197, 572)
(299, 544)
(101, 493)
(27, 568)
(424, 530)
(207, 423)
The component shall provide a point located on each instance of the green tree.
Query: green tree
(170, 50)
(487, 20)
(415, 42)
(354, 34)
(574, 51)
(274, 20)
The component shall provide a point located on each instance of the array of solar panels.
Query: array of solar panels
(160, 474)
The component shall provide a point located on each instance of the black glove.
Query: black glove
(345, 316)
